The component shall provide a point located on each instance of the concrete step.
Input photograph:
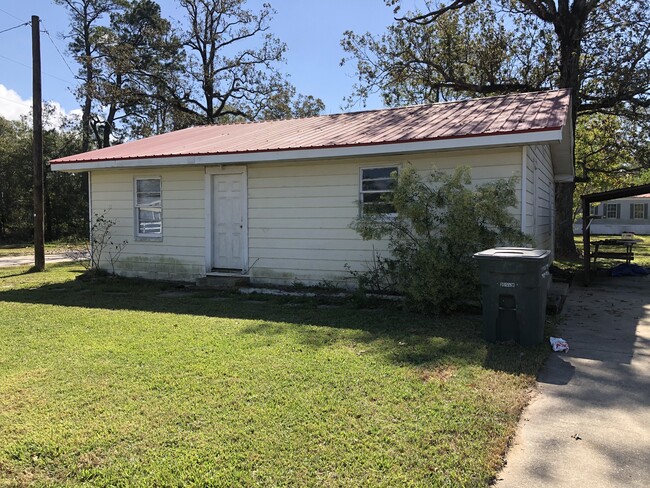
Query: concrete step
(556, 296)
(223, 281)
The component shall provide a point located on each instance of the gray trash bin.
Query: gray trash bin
(514, 283)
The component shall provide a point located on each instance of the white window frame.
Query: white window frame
(154, 208)
(393, 167)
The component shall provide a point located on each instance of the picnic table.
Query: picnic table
(617, 249)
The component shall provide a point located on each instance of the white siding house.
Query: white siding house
(275, 200)
(621, 215)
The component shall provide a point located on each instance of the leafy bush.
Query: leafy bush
(438, 226)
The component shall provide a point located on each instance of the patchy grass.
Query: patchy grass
(131, 383)
(641, 253)
(23, 249)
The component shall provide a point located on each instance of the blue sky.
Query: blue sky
(312, 30)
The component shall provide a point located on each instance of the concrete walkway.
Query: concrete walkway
(28, 259)
(589, 423)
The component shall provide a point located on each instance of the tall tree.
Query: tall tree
(83, 39)
(123, 47)
(285, 103)
(597, 48)
(137, 48)
(139, 76)
(232, 67)
(66, 205)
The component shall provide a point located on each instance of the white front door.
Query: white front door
(228, 221)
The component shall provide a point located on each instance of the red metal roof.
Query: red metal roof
(516, 113)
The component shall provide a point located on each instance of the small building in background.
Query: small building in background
(615, 217)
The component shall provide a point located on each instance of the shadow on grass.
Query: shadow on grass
(29, 271)
(405, 337)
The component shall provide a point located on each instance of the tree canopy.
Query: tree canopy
(597, 48)
(140, 74)
(66, 208)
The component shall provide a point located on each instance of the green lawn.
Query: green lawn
(128, 383)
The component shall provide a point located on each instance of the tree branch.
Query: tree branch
(430, 17)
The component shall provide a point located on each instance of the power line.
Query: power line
(57, 50)
(28, 104)
(10, 14)
(17, 62)
(14, 27)
(29, 67)
(53, 44)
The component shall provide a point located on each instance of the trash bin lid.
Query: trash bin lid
(513, 253)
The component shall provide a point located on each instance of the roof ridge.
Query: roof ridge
(498, 115)
(387, 109)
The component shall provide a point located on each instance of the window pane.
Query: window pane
(149, 221)
(148, 199)
(378, 203)
(374, 197)
(384, 185)
(611, 210)
(376, 192)
(380, 208)
(147, 192)
(374, 173)
(638, 211)
(148, 186)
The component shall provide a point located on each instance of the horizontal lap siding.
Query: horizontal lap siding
(611, 226)
(540, 196)
(299, 214)
(180, 255)
(299, 217)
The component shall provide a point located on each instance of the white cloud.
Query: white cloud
(57, 117)
(12, 106)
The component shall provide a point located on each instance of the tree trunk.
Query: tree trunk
(88, 103)
(569, 28)
(565, 247)
(108, 125)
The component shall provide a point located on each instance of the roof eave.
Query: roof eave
(553, 136)
(562, 154)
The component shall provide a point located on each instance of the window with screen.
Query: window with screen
(377, 186)
(148, 207)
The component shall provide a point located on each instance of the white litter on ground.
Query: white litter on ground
(559, 344)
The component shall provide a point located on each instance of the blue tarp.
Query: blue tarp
(630, 270)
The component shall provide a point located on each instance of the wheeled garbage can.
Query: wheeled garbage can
(514, 282)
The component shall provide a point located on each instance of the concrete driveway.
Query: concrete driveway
(589, 423)
(9, 261)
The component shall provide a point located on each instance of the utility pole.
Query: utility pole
(37, 109)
